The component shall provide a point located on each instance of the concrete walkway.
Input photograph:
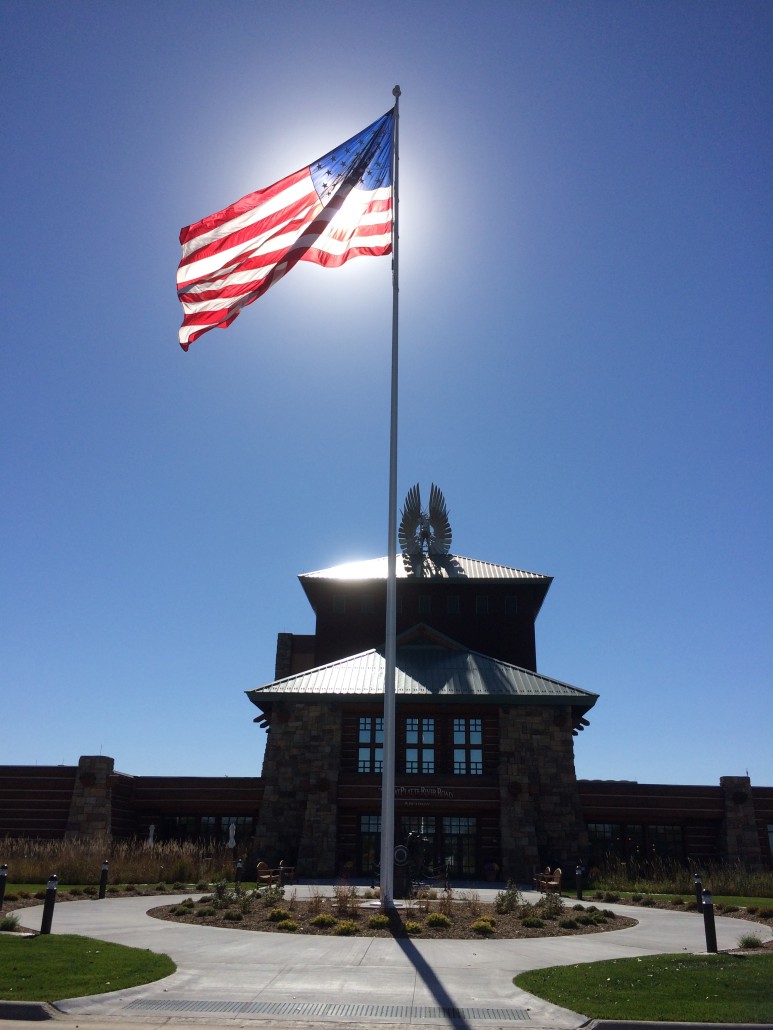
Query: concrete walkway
(244, 978)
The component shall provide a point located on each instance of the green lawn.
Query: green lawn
(52, 967)
(678, 988)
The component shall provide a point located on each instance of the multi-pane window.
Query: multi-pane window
(468, 747)
(459, 834)
(370, 842)
(665, 841)
(370, 756)
(419, 745)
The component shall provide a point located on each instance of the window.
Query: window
(419, 745)
(425, 604)
(665, 841)
(370, 843)
(453, 604)
(481, 604)
(511, 605)
(459, 833)
(468, 747)
(370, 756)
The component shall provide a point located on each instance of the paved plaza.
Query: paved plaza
(239, 978)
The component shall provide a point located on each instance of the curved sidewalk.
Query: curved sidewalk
(242, 978)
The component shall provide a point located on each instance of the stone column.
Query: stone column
(91, 804)
(740, 839)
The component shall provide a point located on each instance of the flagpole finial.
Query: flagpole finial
(396, 91)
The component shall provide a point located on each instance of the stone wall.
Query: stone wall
(298, 813)
(541, 819)
(91, 804)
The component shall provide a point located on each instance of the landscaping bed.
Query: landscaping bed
(452, 915)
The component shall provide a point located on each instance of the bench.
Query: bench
(281, 875)
(547, 881)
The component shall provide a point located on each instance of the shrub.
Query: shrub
(610, 896)
(550, 906)
(205, 913)
(287, 926)
(472, 903)
(113, 890)
(599, 919)
(751, 909)
(648, 902)
(324, 919)
(345, 899)
(272, 894)
(161, 887)
(447, 901)
(484, 927)
(377, 922)
(278, 915)
(41, 895)
(508, 900)
(585, 920)
(766, 913)
(206, 900)
(568, 924)
(181, 910)
(233, 916)
(202, 885)
(677, 901)
(316, 901)
(578, 908)
(438, 919)
(731, 908)
(130, 887)
(75, 891)
(636, 898)
(346, 928)
(533, 922)
(412, 928)
(9, 923)
(750, 940)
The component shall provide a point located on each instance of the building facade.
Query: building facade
(485, 771)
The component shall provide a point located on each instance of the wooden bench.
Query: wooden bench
(281, 875)
(547, 881)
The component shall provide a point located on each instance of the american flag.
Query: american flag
(337, 208)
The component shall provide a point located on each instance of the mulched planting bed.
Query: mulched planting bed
(467, 917)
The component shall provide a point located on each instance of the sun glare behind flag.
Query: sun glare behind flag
(337, 208)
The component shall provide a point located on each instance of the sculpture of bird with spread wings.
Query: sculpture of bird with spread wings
(425, 532)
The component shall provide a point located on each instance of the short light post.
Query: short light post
(698, 892)
(708, 922)
(103, 879)
(239, 869)
(48, 905)
(3, 881)
(578, 874)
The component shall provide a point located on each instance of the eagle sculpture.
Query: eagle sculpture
(424, 532)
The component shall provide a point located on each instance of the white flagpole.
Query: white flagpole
(388, 767)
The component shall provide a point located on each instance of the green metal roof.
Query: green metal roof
(428, 666)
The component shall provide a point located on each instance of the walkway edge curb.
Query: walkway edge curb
(33, 1011)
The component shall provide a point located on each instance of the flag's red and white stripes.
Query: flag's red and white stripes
(232, 257)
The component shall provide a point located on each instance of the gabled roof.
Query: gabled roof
(448, 566)
(428, 666)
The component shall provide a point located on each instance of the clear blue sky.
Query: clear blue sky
(585, 336)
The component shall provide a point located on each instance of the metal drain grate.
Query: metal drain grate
(296, 1010)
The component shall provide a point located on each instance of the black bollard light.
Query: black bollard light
(578, 872)
(103, 879)
(48, 905)
(698, 892)
(708, 922)
(3, 881)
